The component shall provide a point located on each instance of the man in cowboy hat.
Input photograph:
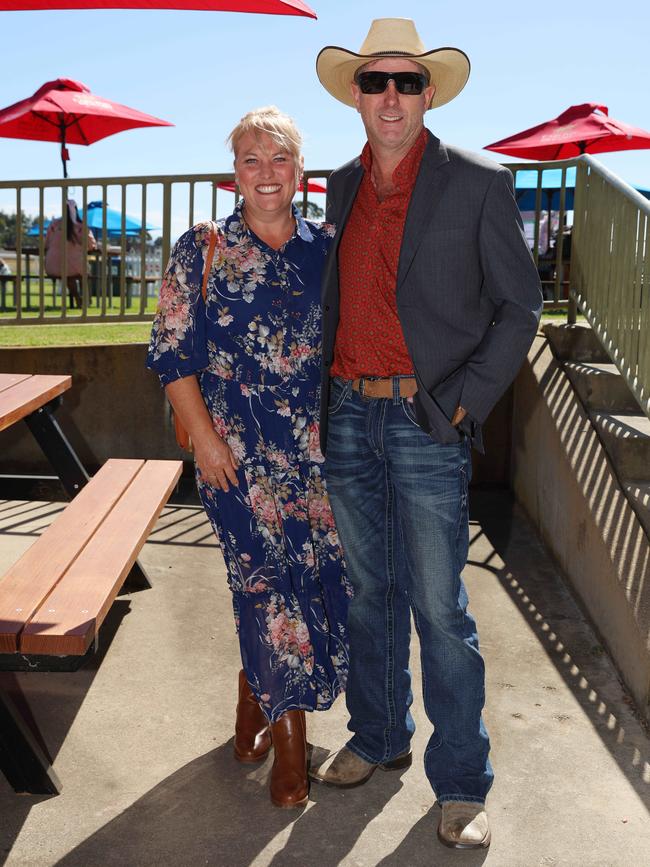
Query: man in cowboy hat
(431, 301)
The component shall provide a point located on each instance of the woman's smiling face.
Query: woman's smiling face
(267, 174)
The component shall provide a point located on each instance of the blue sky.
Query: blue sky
(202, 71)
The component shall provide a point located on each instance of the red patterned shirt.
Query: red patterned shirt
(369, 338)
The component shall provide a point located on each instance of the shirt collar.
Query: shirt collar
(302, 226)
(236, 224)
(405, 172)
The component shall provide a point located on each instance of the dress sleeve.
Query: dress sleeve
(178, 345)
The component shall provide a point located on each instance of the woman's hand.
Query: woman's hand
(216, 462)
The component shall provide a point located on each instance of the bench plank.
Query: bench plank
(68, 620)
(28, 582)
(29, 395)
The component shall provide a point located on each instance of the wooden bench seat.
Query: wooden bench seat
(55, 598)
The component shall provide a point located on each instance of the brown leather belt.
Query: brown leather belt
(384, 387)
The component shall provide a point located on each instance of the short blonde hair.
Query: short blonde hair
(273, 122)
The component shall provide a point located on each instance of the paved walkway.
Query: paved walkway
(142, 742)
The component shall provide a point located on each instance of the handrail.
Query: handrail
(610, 270)
(618, 183)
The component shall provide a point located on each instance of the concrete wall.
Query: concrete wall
(563, 477)
(117, 409)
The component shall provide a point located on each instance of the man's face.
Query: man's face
(392, 120)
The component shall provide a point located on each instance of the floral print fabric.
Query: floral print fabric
(256, 348)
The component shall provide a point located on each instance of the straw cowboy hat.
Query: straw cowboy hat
(393, 37)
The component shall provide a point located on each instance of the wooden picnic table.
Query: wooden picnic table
(54, 599)
(34, 398)
(23, 393)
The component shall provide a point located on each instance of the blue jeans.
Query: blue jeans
(400, 503)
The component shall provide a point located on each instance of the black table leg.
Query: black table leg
(70, 470)
(56, 448)
(137, 579)
(22, 760)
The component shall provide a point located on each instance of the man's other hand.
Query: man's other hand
(459, 415)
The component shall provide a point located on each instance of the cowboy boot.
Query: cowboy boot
(252, 730)
(289, 783)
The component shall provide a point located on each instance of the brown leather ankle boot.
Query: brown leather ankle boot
(289, 782)
(252, 730)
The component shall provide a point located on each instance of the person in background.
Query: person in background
(431, 300)
(76, 265)
(243, 373)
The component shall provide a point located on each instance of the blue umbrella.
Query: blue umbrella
(96, 221)
(526, 189)
(113, 219)
(36, 230)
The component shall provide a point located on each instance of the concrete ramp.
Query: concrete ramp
(586, 502)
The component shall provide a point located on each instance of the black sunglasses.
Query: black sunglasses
(407, 83)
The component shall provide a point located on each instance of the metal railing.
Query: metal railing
(610, 270)
(126, 268)
(604, 262)
(125, 271)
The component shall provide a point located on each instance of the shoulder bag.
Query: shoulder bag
(182, 435)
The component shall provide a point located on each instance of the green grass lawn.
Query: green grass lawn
(30, 302)
(75, 335)
(559, 316)
(69, 333)
(90, 333)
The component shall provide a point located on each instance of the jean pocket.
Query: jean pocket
(339, 389)
(408, 408)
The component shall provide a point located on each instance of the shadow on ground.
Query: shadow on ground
(216, 811)
(50, 701)
(546, 603)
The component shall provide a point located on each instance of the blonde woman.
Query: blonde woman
(242, 372)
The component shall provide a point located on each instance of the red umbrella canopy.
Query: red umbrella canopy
(66, 111)
(87, 118)
(271, 7)
(580, 129)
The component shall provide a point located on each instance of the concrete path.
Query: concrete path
(142, 739)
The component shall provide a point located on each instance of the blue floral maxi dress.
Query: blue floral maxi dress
(255, 347)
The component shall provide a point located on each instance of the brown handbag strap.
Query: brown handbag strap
(209, 258)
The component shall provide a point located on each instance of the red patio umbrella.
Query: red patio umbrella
(66, 111)
(580, 129)
(271, 7)
(312, 187)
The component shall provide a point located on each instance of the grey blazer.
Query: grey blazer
(468, 293)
